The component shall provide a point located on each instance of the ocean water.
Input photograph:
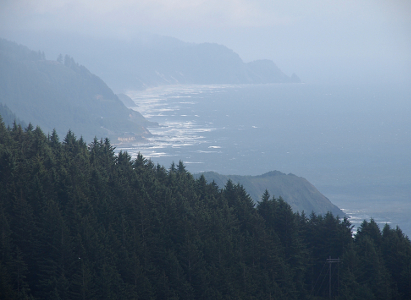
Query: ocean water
(352, 142)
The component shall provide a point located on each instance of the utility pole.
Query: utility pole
(331, 261)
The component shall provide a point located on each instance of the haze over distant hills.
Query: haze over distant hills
(296, 191)
(152, 60)
(63, 95)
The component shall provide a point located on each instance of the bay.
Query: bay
(352, 142)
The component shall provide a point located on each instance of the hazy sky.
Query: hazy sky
(317, 39)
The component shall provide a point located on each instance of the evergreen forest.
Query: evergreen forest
(78, 221)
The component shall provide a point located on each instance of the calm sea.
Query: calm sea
(352, 142)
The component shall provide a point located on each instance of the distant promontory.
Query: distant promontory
(174, 62)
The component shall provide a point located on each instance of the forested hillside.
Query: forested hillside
(79, 222)
(296, 191)
(62, 94)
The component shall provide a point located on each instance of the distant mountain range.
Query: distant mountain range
(296, 191)
(63, 95)
(152, 60)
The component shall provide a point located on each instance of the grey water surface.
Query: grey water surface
(352, 142)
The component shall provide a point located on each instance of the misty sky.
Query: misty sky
(318, 39)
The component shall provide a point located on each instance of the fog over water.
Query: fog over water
(351, 142)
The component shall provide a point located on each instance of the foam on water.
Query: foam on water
(337, 138)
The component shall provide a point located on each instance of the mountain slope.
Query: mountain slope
(63, 95)
(296, 191)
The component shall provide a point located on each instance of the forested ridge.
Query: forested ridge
(78, 221)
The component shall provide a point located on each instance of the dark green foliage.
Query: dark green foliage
(79, 222)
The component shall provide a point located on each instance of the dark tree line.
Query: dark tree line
(79, 222)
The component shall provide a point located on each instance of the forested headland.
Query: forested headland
(78, 221)
(296, 191)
